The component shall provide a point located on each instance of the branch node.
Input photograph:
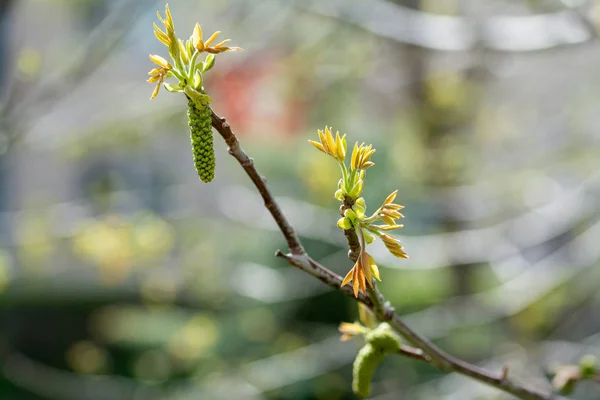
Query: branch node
(279, 253)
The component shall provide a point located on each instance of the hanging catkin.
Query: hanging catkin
(199, 119)
(366, 362)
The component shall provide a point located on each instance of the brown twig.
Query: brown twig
(426, 351)
(414, 353)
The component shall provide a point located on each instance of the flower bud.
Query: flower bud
(344, 223)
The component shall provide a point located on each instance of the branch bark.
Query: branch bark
(425, 351)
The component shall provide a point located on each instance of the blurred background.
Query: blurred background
(122, 276)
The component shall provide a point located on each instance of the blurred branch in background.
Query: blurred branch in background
(453, 33)
(24, 99)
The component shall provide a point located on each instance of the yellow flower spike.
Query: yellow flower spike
(343, 143)
(330, 142)
(388, 220)
(349, 330)
(388, 227)
(365, 156)
(197, 38)
(334, 146)
(158, 74)
(361, 274)
(374, 268)
(160, 35)
(171, 38)
(391, 197)
(354, 156)
(162, 21)
(220, 50)
(340, 153)
(392, 214)
(156, 89)
(392, 206)
(169, 18)
(160, 61)
(185, 57)
(211, 39)
(318, 146)
(393, 246)
(365, 265)
(154, 71)
(348, 277)
(323, 140)
(361, 155)
(218, 45)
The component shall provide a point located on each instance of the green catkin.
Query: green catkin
(202, 140)
(380, 341)
(366, 361)
(384, 338)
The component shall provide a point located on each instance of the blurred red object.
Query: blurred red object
(258, 97)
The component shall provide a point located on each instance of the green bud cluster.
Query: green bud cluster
(199, 119)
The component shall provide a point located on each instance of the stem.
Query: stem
(178, 74)
(351, 180)
(427, 351)
(344, 175)
(193, 64)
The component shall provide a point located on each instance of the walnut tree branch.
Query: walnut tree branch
(298, 257)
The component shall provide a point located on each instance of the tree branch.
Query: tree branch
(427, 351)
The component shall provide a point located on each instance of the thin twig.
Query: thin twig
(298, 257)
(414, 353)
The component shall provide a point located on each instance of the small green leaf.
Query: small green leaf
(344, 223)
(368, 237)
(360, 206)
(197, 80)
(172, 88)
(195, 95)
(350, 214)
(357, 189)
(209, 62)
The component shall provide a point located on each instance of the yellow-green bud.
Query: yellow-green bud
(339, 195)
(357, 189)
(344, 223)
(587, 366)
(202, 140)
(197, 80)
(360, 206)
(368, 237)
(209, 62)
